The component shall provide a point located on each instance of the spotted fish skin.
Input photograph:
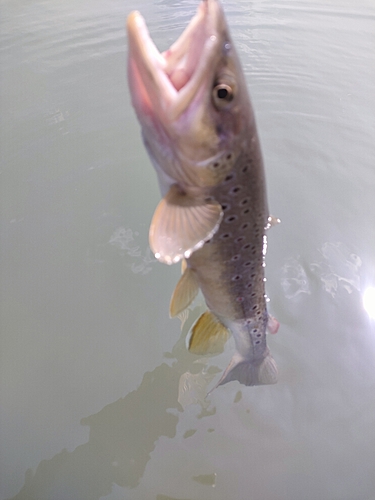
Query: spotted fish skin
(199, 129)
(230, 267)
(234, 258)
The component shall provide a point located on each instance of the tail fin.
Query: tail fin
(250, 372)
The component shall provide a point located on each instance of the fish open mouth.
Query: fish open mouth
(168, 81)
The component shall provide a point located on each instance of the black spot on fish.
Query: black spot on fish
(257, 341)
(235, 190)
(254, 330)
(239, 239)
(245, 247)
(216, 164)
(229, 156)
(225, 206)
(229, 177)
(237, 277)
(235, 257)
(219, 129)
(244, 169)
(231, 218)
(247, 264)
(245, 226)
(244, 201)
(259, 335)
(246, 211)
(225, 236)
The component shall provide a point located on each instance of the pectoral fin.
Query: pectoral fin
(182, 224)
(208, 335)
(273, 324)
(184, 293)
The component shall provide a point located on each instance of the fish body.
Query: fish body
(199, 129)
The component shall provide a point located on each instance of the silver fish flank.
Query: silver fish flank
(199, 129)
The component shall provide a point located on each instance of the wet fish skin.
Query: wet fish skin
(199, 129)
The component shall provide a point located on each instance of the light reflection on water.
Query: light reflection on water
(87, 342)
(369, 301)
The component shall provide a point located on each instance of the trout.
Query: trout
(199, 129)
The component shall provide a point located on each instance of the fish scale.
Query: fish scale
(199, 129)
(232, 239)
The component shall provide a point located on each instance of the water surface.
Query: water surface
(100, 399)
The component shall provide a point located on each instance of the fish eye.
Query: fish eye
(222, 95)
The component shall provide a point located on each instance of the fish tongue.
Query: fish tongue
(179, 77)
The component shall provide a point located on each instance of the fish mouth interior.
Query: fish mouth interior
(169, 80)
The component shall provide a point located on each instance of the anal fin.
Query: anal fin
(208, 335)
(184, 293)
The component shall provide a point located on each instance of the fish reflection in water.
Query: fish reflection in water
(122, 435)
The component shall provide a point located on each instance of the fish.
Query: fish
(198, 127)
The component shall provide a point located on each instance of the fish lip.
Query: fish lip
(149, 70)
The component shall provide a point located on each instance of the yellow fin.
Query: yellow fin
(208, 335)
(183, 317)
(183, 266)
(184, 293)
(181, 224)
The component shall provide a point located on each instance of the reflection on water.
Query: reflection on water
(208, 479)
(335, 266)
(164, 497)
(294, 279)
(338, 268)
(124, 433)
(369, 301)
(193, 386)
(124, 239)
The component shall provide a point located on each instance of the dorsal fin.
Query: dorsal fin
(181, 224)
(208, 335)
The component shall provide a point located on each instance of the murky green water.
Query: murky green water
(99, 397)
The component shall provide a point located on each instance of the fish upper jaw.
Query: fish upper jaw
(164, 84)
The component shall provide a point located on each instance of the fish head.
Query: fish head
(191, 100)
